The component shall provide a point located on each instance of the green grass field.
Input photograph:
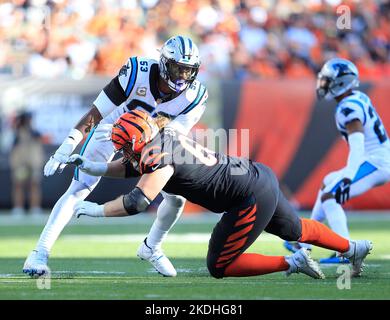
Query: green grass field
(97, 260)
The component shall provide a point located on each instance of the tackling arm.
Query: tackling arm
(132, 203)
(114, 169)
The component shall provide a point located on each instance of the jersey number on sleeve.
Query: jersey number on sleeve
(378, 126)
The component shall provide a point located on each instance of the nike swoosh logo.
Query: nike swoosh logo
(155, 167)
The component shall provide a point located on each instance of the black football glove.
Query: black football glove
(342, 192)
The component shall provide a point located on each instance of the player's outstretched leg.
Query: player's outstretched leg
(239, 228)
(36, 262)
(317, 214)
(320, 235)
(150, 250)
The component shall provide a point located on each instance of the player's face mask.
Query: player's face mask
(181, 73)
(180, 76)
(323, 84)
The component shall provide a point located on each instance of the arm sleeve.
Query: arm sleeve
(356, 153)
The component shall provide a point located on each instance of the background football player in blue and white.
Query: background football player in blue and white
(169, 88)
(368, 163)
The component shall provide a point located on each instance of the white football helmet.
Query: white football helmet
(179, 62)
(336, 77)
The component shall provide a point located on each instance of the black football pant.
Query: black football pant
(266, 208)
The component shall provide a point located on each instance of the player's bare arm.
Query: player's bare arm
(136, 201)
(59, 160)
(89, 120)
(354, 126)
(114, 169)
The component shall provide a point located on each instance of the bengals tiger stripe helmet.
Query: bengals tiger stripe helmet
(132, 131)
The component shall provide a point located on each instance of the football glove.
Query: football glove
(97, 169)
(58, 160)
(342, 192)
(103, 132)
(87, 208)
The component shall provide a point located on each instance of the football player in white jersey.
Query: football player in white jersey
(368, 163)
(167, 87)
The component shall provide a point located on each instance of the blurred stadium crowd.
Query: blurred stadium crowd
(237, 39)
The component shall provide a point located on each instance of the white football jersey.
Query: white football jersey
(359, 106)
(135, 87)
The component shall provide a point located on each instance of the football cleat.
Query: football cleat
(334, 259)
(358, 251)
(36, 264)
(301, 262)
(158, 259)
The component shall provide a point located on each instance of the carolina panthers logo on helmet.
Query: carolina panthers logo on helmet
(336, 77)
(342, 69)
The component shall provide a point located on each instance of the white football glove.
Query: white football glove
(103, 132)
(87, 208)
(96, 169)
(58, 160)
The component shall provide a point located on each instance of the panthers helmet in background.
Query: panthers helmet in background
(179, 62)
(336, 77)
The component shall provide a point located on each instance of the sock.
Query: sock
(320, 235)
(336, 217)
(168, 212)
(317, 214)
(60, 215)
(252, 264)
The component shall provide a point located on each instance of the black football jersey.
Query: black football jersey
(212, 180)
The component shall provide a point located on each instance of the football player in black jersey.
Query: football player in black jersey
(247, 193)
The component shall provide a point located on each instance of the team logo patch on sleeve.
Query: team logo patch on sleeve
(346, 111)
(123, 70)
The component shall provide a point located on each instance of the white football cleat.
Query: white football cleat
(301, 262)
(358, 251)
(158, 259)
(36, 264)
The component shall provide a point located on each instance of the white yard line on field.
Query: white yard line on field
(181, 238)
